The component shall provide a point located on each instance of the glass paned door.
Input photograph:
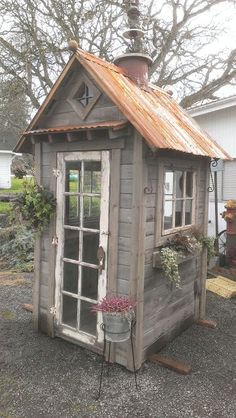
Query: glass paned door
(82, 227)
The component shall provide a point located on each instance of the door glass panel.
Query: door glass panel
(92, 177)
(88, 319)
(71, 244)
(70, 277)
(188, 212)
(179, 175)
(72, 210)
(189, 184)
(91, 217)
(178, 212)
(168, 214)
(90, 247)
(69, 311)
(73, 174)
(89, 283)
(168, 184)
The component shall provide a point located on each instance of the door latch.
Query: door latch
(101, 259)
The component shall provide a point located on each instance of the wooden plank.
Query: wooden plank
(206, 323)
(113, 227)
(137, 245)
(27, 307)
(171, 364)
(37, 247)
(85, 145)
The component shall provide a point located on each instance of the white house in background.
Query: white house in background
(7, 142)
(218, 118)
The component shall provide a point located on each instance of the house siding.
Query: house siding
(5, 170)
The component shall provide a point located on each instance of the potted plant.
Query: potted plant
(118, 314)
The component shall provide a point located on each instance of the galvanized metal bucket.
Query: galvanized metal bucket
(116, 327)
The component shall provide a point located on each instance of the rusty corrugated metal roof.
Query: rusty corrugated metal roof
(81, 127)
(151, 110)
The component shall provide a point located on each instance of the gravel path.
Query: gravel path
(41, 377)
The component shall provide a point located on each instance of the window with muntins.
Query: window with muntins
(179, 199)
(84, 95)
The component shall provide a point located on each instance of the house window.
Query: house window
(83, 95)
(178, 202)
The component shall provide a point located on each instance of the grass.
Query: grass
(16, 187)
(5, 207)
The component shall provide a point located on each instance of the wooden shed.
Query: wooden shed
(112, 148)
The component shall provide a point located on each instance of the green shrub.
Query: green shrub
(34, 205)
(17, 248)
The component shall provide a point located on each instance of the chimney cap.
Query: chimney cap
(133, 55)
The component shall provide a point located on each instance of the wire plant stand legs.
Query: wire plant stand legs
(106, 342)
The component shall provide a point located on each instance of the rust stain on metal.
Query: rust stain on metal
(152, 111)
(62, 129)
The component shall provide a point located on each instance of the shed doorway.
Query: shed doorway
(82, 230)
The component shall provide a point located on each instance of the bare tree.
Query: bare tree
(34, 35)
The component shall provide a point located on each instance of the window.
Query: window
(83, 95)
(178, 202)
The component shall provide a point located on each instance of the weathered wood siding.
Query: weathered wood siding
(168, 310)
(61, 111)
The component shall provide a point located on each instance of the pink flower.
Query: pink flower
(115, 304)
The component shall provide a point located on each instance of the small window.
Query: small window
(84, 95)
(178, 202)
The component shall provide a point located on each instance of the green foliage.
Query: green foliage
(17, 248)
(206, 242)
(5, 207)
(35, 205)
(209, 244)
(169, 263)
(20, 173)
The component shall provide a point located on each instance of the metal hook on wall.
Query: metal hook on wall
(213, 163)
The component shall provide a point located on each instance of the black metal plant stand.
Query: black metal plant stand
(109, 353)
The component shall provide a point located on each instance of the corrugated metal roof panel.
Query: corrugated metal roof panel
(156, 115)
(95, 125)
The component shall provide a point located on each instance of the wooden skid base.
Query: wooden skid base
(206, 323)
(170, 364)
(27, 307)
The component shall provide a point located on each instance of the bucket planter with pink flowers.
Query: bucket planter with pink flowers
(118, 314)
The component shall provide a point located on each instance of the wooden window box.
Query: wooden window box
(182, 258)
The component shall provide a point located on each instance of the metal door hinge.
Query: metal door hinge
(56, 172)
(53, 310)
(55, 241)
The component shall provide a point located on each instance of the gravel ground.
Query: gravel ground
(41, 377)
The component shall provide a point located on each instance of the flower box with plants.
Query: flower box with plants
(179, 249)
(118, 312)
(229, 215)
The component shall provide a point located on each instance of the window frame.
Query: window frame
(175, 199)
(165, 164)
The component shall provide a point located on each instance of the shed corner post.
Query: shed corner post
(37, 247)
(138, 248)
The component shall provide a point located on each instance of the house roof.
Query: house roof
(213, 106)
(151, 110)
